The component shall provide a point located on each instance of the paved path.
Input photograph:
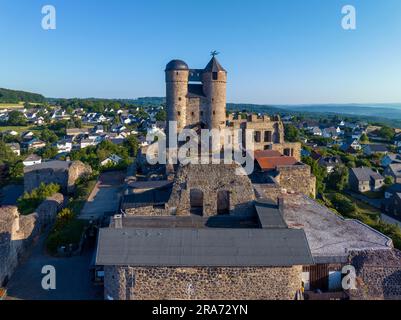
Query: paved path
(391, 220)
(73, 279)
(377, 203)
(105, 197)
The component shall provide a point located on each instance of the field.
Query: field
(11, 105)
(20, 129)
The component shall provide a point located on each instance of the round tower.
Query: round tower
(214, 80)
(177, 75)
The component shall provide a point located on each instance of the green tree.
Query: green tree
(319, 172)
(364, 138)
(48, 136)
(338, 179)
(161, 115)
(291, 133)
(132, 144)
(387, 133)
(49, 152)
(389, 181)
(16, 118)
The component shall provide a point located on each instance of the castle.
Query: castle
(197, 98)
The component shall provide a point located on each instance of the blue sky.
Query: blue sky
(276, 51)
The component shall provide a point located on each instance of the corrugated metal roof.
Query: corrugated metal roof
(179, 247)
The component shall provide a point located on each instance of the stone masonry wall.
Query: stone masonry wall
(17, 232)
(297, 179)
(211, 179)
(378, 275)
(201, 283)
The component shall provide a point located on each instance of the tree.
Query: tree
(132, 144)
(16, 118)
(343, 205)
(49, 152)
(338, 179)
(387, 133)
(319, 172)
(389, 181)
(48, 136)
(291, 133)
(161, 115)
(364, 138)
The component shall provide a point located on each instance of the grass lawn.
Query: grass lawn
(20, 129)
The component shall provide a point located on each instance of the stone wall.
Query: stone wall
(77, 169)
(378, 275)
(211, 180)
(292, 149)
(17, 231)
(201, 283)
(66, 178)
(297, 179)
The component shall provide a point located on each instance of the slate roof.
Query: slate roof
(176, 65)
(364, 174)
(210, 247)
(269, 215)
(214, 66)
(55, 165)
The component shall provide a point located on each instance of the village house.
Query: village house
(389, 159)
(112, 160)
(371, 149)
(32, 160)
(15, 147)
(394, 170)
(365, 179)
(330, 163)
(331, 132)
(64, 145)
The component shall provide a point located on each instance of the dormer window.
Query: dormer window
(215, 75)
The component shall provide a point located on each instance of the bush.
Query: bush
(28, 202)
(63, 218)
(344, 205)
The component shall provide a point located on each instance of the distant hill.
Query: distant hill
(15, 96)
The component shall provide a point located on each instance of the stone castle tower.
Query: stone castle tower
(196, 96)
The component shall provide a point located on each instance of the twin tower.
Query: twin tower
(196, 97)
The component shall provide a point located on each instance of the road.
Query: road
(105, 196)
(391, 220)
(73, 279)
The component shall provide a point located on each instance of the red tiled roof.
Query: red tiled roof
(267, 153)
(271, 163)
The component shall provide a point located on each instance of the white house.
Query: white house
(113, 159)
(31, 160)
(64, 146)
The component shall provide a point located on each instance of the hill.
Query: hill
(16, 96)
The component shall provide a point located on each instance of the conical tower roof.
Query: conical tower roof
(214, 66)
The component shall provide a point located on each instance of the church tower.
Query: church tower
(214, 79)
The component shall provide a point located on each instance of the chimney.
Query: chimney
(118, 221)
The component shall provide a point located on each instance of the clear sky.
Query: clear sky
(276, 51)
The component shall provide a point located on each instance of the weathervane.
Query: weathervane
(214, 53)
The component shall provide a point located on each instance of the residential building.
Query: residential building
(32, 160)
(371, 149)
(330, 163)
(15, 147)
(394, 170)
(365, 179)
